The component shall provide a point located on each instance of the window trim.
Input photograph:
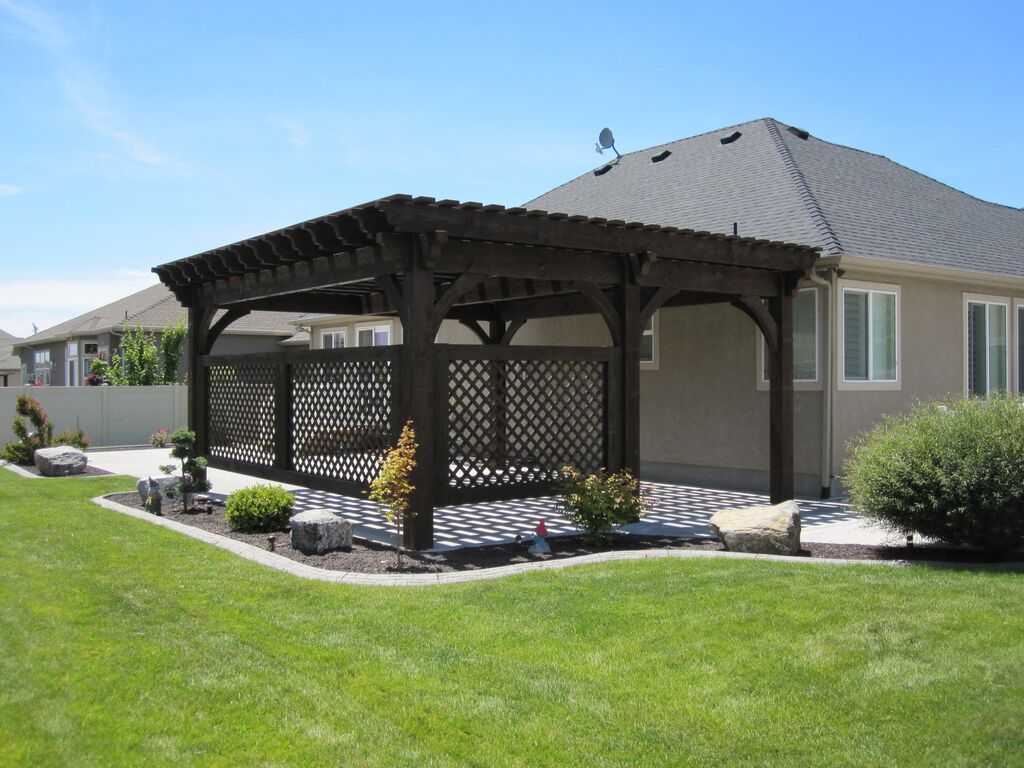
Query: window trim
(374, 327)
(763, 384)
(654, 363)
(341, 331)
(1011, 337)
(842, 383)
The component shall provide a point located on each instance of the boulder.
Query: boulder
(163, 482)
(773, 530)
(60, 461)
(316, 531)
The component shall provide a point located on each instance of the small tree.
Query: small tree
(41, 436)
(391, 489)
(136, 363)
(172, 343)
(193, 468)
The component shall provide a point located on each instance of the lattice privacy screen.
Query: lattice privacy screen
(240, 410)
(341, 418)
(518, 422)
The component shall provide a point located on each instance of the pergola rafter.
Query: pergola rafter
(492, 269)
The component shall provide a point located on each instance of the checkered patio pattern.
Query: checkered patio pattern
(678, 510)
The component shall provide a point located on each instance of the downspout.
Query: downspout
(826, 384)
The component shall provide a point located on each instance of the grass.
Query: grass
(125, 644)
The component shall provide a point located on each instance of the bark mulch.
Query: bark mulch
(371, 557)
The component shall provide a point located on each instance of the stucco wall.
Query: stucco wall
(931, 355)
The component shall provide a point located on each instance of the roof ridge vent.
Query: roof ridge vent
(800, 133)
(730, 138)
(659, 157)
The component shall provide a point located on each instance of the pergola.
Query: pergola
(493, 420)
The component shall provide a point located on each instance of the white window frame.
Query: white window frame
(1011, 337)
(343, 332)
(374, 327)
(655, 333)
(41, 364)
(870, 384)
(763, 383)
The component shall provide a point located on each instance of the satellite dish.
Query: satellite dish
(605, 140)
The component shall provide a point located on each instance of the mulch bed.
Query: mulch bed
(371, 557)
(32, 468)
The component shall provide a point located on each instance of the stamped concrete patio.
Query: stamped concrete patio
(678, 510)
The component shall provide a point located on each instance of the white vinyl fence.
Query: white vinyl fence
(109, 415)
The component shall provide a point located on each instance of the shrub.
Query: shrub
(76, 439)
(392, 489)
(160, 438)
(259, 508)
(193, 467)
(949, 471)
(598, 502)
(23, 451)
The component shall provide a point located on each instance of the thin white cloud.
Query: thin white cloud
(48, 301)
(83, 87)
(295, 133)
(9, 190)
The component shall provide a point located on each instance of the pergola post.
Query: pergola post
(780, 368)
(198, 332)
(629, 310)
(417, 383)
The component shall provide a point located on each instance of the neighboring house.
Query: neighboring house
(61, 355)
(919, 294)
(10, 363)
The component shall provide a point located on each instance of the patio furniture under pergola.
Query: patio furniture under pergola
(493, 420)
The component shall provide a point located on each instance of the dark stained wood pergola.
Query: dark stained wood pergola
(493, 420)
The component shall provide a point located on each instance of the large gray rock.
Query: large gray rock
(163, 482)
(60, 461)
(316, 531)
(773, 530)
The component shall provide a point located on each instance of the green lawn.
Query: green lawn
(122, 643)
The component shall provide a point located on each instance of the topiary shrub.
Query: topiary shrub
(23, 451)
(598, 502)
(950, 471)
(259, 508)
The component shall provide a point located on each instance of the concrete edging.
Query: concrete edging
(304, 571)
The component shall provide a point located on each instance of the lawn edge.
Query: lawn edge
(304, 571)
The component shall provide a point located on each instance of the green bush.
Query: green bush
(76, 439)
(949, 471)
(23, 451)
(598, 502)
(259, 508)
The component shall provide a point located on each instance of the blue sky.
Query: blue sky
(136, 133)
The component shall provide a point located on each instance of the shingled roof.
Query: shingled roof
(8, 361)
(154, 308)
(779, 183)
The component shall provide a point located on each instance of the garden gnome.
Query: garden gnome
(153, 498)
(540, 546)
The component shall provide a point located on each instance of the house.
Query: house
(61, 355)
(10, 364)
(918, 295)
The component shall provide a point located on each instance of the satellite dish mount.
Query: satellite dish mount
(606, 140)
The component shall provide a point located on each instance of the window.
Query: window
(648, 344)
(333, 339)
(72, 349)
(1020, 349)
(987, 347)
(870, 335)
(91, 348)
(373, 336)
(805, 338)
(42, 366)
